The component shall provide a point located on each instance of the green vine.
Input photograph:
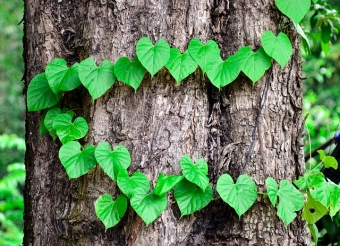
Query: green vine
(192, 190)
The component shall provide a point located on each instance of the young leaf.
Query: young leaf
(310, 180)
(300, 31)
(253, 64)
(195, 173)
(225, 72)
(112, 161)
(60, 77)
(148, 206)
(68, 130)
(180, 65)
(278, 47)
(48, 121)
(96, 79)
(294, 9)
(241, 196)
(75, 161)
(128, 185)
(40, 95)
(328, 161)
(129, 72)
(313, 210)
(109, 211)
(272, 189)
(191, 198)
(153, 57)
(291, 200)
(166, 183)
(206, 56)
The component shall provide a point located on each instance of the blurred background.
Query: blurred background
(321, 53)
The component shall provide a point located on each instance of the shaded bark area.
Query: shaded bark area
(162, 121)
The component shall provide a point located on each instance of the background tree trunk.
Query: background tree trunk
(163, 121)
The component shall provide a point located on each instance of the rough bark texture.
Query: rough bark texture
(163, 121)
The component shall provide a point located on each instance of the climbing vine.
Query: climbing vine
(192, 189)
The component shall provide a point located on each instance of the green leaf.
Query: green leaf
(191, 198)
(206, 56)
(60, 77)
(322, 192)
(241, 196)
(129, 72)
(110, 212)
(68, 130)
(328, 161)
(294, 9)
(75, 161)
(195, 173)
(153, 57)
(335, 201)
(278, 47)
(272, 189)
(253, 64)
(291, 200)
(225, 72)
(180, 65)
(96, 79)
(309, 180)
(48, 121)
(128, 185)
(315, 233)
(313, 210)
(166, 183)
(112, 161)
(40, 95)
(148, 206)
(303, 35)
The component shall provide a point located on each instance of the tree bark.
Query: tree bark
(162, 121)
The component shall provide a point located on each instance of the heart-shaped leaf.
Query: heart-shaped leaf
(112, 161)
(128, 185)
(206, 56)
(195, 173)
(75, 161)
(278, 47)
(148, 206)
(40, 95)
(153, 57)
(313, 210)
(253, 64)
(300, 31)
(129, 72)
(60, 77)
(328, 161)
(294, 9)
(241, 196)
(180, 65)
(291, 199)
(68, 130)
(191, 198)
(109, 211)
(96, 79)
(166, 183)
(225, 72)
(322, 192)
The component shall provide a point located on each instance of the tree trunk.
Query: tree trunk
(162, 121)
